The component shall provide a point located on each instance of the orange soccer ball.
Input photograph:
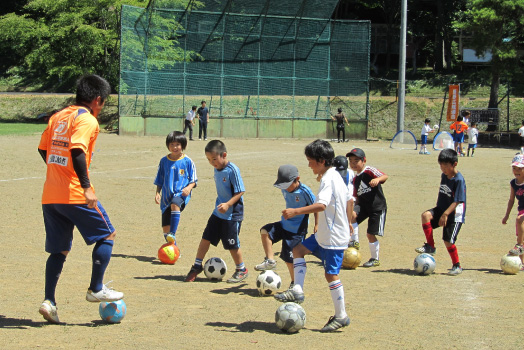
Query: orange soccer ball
(168, 253)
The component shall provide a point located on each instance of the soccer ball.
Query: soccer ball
(290, 317)
(424, 264)
(113, 311)
(510, 264)
(215, 269)
(168, 253)
(435, 126)
(268, 282)
(352, 258)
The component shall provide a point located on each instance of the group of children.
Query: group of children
(344, 200)
(459, 127)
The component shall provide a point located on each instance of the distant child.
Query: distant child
(292, 231)
(517, 191)
(175, 179)
(224, 224)
(458, 135)
(426, 130)
(450, 211)
(370, 203)
(189, 122)
(334, 205)
(466, 115)
(340, 117)
(521, 134)
(341, 165)
(473, 135)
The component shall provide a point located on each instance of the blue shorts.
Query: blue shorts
(331, 258)
(227, 231)
(60, 220)
(459, 138)
(166, 215)
(472, 145)
(423, 139)
(289, 239)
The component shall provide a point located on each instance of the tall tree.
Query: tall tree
(496, 26)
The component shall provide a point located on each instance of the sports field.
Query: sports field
(389, 306)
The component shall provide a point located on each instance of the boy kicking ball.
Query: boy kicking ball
(334, 205)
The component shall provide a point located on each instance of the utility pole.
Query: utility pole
(402, 65)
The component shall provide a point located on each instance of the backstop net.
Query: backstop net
(246, 58)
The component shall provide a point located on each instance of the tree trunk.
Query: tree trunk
(495, 83)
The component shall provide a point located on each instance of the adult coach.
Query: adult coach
(69, 199)
(203, 119)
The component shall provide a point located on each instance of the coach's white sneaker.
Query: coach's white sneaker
(105, 294)
(49, 312)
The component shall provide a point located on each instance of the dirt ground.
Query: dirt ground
(390, 307)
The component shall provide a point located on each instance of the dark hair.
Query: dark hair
(194, 107)
(473, 123)
(427, 120)
(320, 150)
(448, 155)
(340, 110)
(176, 136)
(215, 147)
(460, 118)
(89, 87)
(466, 113)
(201, 102)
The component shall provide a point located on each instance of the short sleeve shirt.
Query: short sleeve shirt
(228, 182)
(425, 130)
(333, 225)
(473, 134)
(453, 190)
(202, 113)
(72, 127)
(519, 193)
(459, 127)
(300, 197)
(371, 198)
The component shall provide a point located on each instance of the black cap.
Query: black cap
(286, 176)
(341, 164)
(357, 152)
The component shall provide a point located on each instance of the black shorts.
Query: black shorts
(376, 222)
(227, 231)
(452, 228)
(166, 215)
(289, 239)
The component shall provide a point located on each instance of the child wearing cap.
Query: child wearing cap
(450, 211)
(370, 201)
(517, 191)
(341, 165)
(293, 230)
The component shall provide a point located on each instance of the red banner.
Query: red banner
(453, 103)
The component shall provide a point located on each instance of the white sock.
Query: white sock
(300, 269)
(374, 249)
(354, 236)
(337, 294)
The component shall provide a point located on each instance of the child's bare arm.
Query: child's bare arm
(223, 207)
(444, 218)
(310, 209)
(378, 180)
(349, 213)
(187, 190)
(511, 201)
(158, 194)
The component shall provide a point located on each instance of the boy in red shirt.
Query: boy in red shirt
(459, 128)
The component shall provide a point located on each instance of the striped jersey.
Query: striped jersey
(229, 182)
(453, 190)
(301, 197)
(173, 176)
(371, 198)
(72, 127)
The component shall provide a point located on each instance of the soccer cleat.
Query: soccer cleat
(104, 294)
(49, 311)
(372, 263)
(267, 264)
(354, 244)
(335, 323)
(426, 248)
(170, 238)
(517, 250)
(193, 273)
(455, 270)
(427, 152)
(290, 296)
(238, 276)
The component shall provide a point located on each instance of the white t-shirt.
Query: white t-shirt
(425, 130)
(521, 131)
(333, 226)
(190, 115)
(472, 135)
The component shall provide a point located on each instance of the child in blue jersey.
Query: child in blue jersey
(450, 211)
(175, 179)
(293, 231)
(341, 165)
(224, 224)
(517, 191)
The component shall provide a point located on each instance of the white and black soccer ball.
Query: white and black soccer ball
(510, 264)
(215, 269)
(424, 264)
(268, 282)
(290, 317)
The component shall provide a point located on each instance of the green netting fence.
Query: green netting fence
(246, 58)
